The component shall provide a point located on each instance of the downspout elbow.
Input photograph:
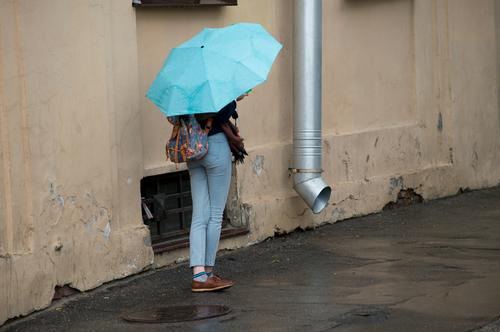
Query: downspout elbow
(312, 188)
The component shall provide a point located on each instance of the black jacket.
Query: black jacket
(219, 118)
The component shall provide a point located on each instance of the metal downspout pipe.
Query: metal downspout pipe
(307, 149)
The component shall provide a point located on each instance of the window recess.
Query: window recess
(167, 208)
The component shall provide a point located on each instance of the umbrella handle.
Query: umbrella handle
(208, 126)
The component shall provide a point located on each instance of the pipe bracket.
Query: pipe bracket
(305, 170)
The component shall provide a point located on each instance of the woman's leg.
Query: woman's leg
(200, 217)
(219, 179)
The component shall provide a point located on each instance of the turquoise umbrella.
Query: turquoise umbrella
(213, 68)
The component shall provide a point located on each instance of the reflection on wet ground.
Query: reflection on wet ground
(428, 267)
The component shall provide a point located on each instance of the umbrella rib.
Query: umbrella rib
(239, 62)
(208, 82)
(253, 71)
(220, 54)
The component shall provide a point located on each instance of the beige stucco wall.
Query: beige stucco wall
(497, 25)
(410, 100)
(70, 149)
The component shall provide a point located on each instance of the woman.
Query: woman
(210, 179)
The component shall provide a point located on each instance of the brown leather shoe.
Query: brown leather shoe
(213, 283)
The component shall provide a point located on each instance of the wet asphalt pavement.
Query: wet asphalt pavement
(433, 266)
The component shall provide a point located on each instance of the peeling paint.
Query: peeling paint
(440, 122)
(405, 197)
(347, 164)
(327, 145)
(301, 214)
(55, 196)
(258, 164)
(52, 189)
(278, 231)
(351, 197)
(90, 222)
(53, 205)
(475, 157)
(107, 231)
(418, 147)
(95, 214)
(337, 214)
(58, 245)
(181, 259)
(147, 241)
(246, 211)
(91, 196)
(60, 201)
(132, 266)
(395, 183)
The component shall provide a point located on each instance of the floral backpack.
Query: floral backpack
(188, 141)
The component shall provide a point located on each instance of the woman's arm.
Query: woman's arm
(226, 112)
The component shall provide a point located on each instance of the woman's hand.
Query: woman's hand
(232, 135)
(235, 142)
(242, 96)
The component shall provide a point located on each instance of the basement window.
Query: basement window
(183, 3)
(167, 209)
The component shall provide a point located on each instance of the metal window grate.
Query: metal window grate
(167, 209)
(167, 205)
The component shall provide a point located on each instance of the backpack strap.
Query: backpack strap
(176, 150)
(174, 135)
(175, 131)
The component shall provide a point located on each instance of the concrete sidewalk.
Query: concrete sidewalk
(428, 267)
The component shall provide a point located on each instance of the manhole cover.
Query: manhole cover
(177, 313)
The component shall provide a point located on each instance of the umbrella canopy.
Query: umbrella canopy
(213, 68)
